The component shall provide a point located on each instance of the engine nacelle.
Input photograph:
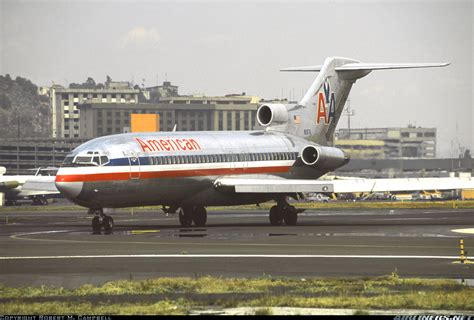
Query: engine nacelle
(8, 185)
(272, 114)
(321, 157)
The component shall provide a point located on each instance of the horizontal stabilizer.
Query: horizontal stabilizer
(387, 66)
(303, 69)
(368, 66)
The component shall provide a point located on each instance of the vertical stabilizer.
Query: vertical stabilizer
(316, 116)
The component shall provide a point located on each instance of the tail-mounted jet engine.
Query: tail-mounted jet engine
(321, 157)
(272, 114)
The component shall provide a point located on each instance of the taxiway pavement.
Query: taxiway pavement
(58, 248)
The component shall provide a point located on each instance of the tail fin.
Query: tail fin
(315, 117)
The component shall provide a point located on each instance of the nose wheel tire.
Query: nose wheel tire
(108, 224)
(189, 215)
(101, 221)
(96, 225)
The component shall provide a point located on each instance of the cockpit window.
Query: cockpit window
(89, 158)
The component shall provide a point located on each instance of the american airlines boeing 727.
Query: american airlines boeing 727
(189, 171)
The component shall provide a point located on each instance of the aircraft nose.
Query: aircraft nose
(69, 189)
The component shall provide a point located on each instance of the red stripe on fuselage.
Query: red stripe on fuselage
(114, 176)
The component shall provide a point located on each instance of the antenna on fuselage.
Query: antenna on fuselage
(174, 128)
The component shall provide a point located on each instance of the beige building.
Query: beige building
(188, 113)
(363, 149)
(64, 102)
(409, 142)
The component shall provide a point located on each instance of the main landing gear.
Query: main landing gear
(283, 212)
(190, 214)
(40, 201)
(101, 221)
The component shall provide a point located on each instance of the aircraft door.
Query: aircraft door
(134, 161)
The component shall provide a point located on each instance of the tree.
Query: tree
(89, 84)
(5, 102)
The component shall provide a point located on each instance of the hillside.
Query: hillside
(20, 98)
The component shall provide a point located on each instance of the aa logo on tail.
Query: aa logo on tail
(326, 99)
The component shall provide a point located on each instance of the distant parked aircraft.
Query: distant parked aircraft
(34, 187)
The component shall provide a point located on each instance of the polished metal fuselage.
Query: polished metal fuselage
(133, 178)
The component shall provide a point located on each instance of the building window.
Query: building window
(220, 114)
(229, 120)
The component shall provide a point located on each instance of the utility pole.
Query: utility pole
(349, 113)
(18, 145)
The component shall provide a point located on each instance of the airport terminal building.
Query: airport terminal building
(388, 143)
(188, 113)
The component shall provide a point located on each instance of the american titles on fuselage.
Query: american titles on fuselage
(326, 98)
(168, 144)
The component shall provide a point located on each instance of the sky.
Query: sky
(218, 48)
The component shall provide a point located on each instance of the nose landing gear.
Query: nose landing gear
(196, 214)
(101, 221)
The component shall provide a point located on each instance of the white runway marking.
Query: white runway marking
(230, 256)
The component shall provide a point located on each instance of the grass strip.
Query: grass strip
(177, 295)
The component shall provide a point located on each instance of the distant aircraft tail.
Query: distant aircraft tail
(315, 117)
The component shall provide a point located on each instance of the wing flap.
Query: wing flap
(273, 185)
(280, 185)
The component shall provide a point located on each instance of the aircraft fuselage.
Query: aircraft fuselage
(177, 168)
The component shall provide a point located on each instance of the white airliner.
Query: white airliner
(35, 187)
(189, 171)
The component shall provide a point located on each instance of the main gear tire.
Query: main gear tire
(276, 216)
(199, 216)
(290, 216)
(185, 217)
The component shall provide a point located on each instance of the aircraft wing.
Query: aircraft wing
(281, 185)
(39, 186)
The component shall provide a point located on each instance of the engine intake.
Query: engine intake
(272, 114)
(321, 157)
